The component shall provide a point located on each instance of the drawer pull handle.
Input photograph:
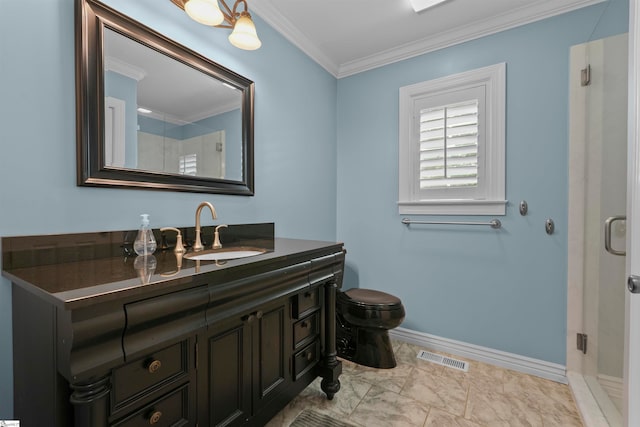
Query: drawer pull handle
(155, 417)
(154, 366)
(309, 356)
(307, 294)
(304, 324)
(249, 318)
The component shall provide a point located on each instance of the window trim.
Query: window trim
(492, 172)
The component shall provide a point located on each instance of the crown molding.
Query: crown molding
(277, 21)
(119, 66)
(521, 16)
(495, 24)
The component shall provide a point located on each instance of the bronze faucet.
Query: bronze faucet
(197, 246)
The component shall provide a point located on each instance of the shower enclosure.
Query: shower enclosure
(597, 225)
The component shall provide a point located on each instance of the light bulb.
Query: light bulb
(244, 34)
(206, 12)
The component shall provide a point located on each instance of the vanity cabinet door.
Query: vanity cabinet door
(228, 382)
(248, 360)
(271, 353)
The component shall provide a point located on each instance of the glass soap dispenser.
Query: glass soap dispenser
(145, 243)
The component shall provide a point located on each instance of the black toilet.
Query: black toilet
(363, 320)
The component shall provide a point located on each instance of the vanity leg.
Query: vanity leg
(91, 403)
(330, 366)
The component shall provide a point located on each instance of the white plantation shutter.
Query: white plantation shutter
(449, 146)
(188, 164)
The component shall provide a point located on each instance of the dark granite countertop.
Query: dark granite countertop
(74, 275)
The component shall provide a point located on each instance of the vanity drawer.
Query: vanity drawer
(150, 372)
(306, 359)
(169, 410)
(305, 329)
(305, 302)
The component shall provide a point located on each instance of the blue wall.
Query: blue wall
(503, 289)
(295, 169)
(159, 127)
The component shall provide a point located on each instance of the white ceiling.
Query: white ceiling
(173, 91)
(350, 36)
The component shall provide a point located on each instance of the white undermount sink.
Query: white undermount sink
(224, 254)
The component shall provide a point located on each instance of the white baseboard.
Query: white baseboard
(527, 365)
(592, 415)
(604, 400)
(612, 385)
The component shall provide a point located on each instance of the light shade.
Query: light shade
(206, 12)
(244, 35)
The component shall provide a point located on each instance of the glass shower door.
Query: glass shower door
(604, 82)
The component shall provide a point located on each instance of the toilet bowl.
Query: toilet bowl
(363, 320)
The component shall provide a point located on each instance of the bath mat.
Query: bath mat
(309, 418)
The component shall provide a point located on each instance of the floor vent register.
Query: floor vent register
(443, 360)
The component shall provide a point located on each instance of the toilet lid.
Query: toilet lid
(371, 297)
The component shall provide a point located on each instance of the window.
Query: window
(448, 138)
(188, 164)
(451, 144)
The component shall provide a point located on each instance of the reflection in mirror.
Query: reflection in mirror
(155, 114)
(164, 116)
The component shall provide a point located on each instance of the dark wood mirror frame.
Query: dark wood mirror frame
(91, 17)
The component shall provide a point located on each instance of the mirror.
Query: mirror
(154, 114)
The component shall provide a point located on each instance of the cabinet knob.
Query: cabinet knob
(304, 324)
(258, 314)
(154, 418)
(249, 318)
(307, 294)
(309, 356)
(154, 366)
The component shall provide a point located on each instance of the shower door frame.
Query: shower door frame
(591, 182)
(631, 412)
(631, 364)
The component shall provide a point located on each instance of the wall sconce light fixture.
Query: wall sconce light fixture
(208, 12)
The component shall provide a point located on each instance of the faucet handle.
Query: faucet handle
(216, 236)
(179, 246)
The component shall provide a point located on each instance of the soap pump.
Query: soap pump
(145, 243)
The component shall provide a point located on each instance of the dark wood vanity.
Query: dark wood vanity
(99, 342)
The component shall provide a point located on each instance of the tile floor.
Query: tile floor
(420, 393)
